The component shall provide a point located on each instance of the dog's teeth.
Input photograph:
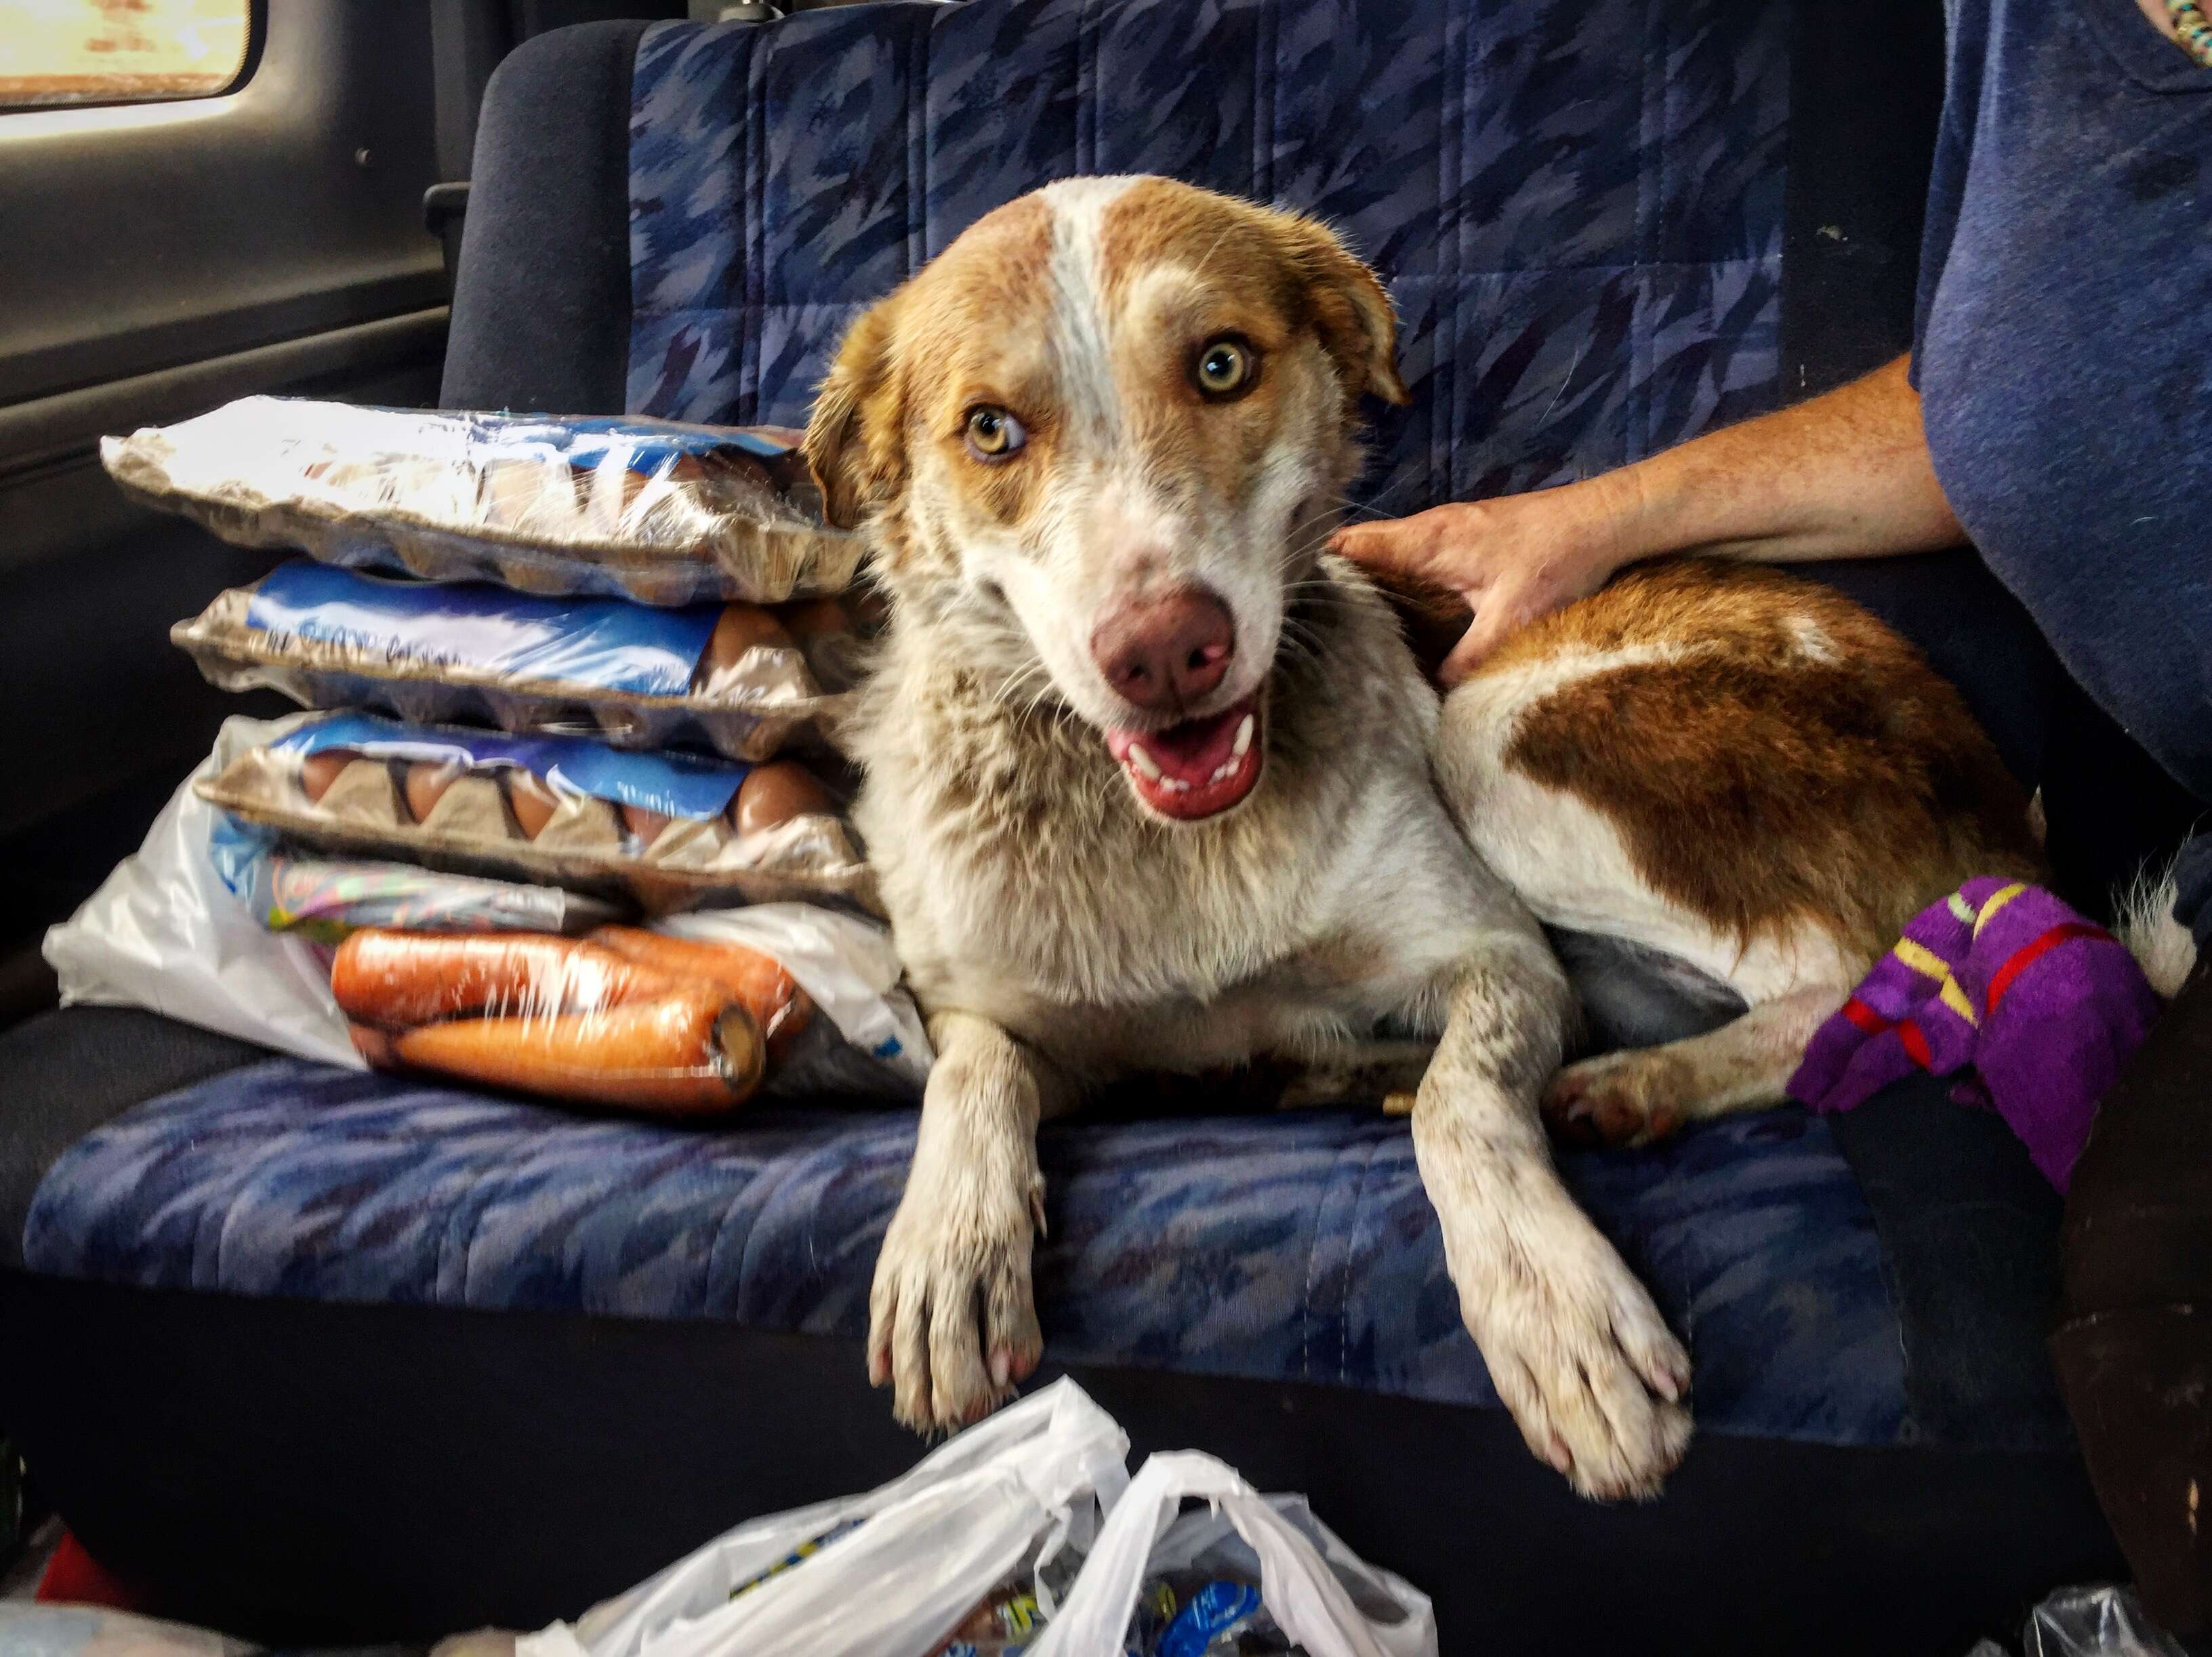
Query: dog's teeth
(1243, 737)
(1147, 767)
(1175, 784)
(1226, 770)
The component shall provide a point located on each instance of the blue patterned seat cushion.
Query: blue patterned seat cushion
(1295, 1246)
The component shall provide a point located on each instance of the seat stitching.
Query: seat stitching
(1351, 1249)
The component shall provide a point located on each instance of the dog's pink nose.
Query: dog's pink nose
(1166, 652)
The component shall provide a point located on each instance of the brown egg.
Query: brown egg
(644, 826)
(866, 610)
(318, 771)
(806, 622)
(518, 492)
(426, 784)
(741, 628)
(532, 803)
(775, 794)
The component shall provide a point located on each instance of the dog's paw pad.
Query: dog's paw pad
(1610, 1103)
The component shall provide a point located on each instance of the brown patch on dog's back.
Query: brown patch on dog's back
(1797, 760)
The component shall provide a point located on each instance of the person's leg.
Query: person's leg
(1970, 1247)
(2134, 1341)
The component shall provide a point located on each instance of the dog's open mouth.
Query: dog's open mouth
(1196, 769)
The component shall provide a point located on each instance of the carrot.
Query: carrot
(759, 981)
(374, 1046)
(397, 978)
(552, 1015)
(689, 1051)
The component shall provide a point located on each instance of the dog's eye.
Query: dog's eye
(1224, 368)
(992, 434)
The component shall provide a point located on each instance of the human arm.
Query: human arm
(1846, 474)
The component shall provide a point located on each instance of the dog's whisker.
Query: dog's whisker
(1014, 684)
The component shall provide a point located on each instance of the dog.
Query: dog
(1153, 784)
(1740, 770)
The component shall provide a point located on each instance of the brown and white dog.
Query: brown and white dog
(1152, 785)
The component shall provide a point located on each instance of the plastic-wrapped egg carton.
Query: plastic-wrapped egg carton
(741, 679)
(622, 508)
(671, 831)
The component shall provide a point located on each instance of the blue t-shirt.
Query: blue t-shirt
(2063, 345)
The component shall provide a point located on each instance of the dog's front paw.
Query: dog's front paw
(952, 1326)
(1578, 1353)
(1630, 1098)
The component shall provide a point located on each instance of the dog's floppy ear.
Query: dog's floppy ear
(853, 446)
(1350, 309)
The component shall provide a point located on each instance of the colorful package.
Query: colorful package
(328, 899)
(618, 506)
(669, 831)
(733, 678)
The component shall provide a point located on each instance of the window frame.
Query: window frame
(150, 236)
(257, 35)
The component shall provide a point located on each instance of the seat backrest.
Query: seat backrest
(1608, 225)
(1578, 207)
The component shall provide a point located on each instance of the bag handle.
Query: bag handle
(1303, 1591)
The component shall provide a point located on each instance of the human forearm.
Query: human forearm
(1843, 474)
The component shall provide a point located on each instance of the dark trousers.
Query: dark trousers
(2134, 1337)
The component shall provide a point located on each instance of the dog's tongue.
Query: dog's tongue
(1190, 753)
(1194, 769)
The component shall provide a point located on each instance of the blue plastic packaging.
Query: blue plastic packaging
(675, 784)
(604, 643)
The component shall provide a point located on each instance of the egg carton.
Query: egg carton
(654, 511)
(379, 789)
(753, 693)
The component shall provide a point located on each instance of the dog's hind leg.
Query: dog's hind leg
(1643, 1094)
(1576, 1348)
(953, 1319)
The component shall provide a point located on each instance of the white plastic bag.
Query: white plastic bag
(168, 931)
(901, 1566)
(92, 1631)
(1318, 1591)
(2101, 1621)
(164, 932)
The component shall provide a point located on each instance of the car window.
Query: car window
(104, 52)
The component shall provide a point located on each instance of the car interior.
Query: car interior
(320, 1356)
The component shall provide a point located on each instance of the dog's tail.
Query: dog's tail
(2161, 946)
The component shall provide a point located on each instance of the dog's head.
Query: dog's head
(1102, 431)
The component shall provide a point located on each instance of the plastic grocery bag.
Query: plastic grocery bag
(93, 1631)
(1321, 1594)
(849, 966)
(890, 1574)
(2089, 1622)
(164, 932)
